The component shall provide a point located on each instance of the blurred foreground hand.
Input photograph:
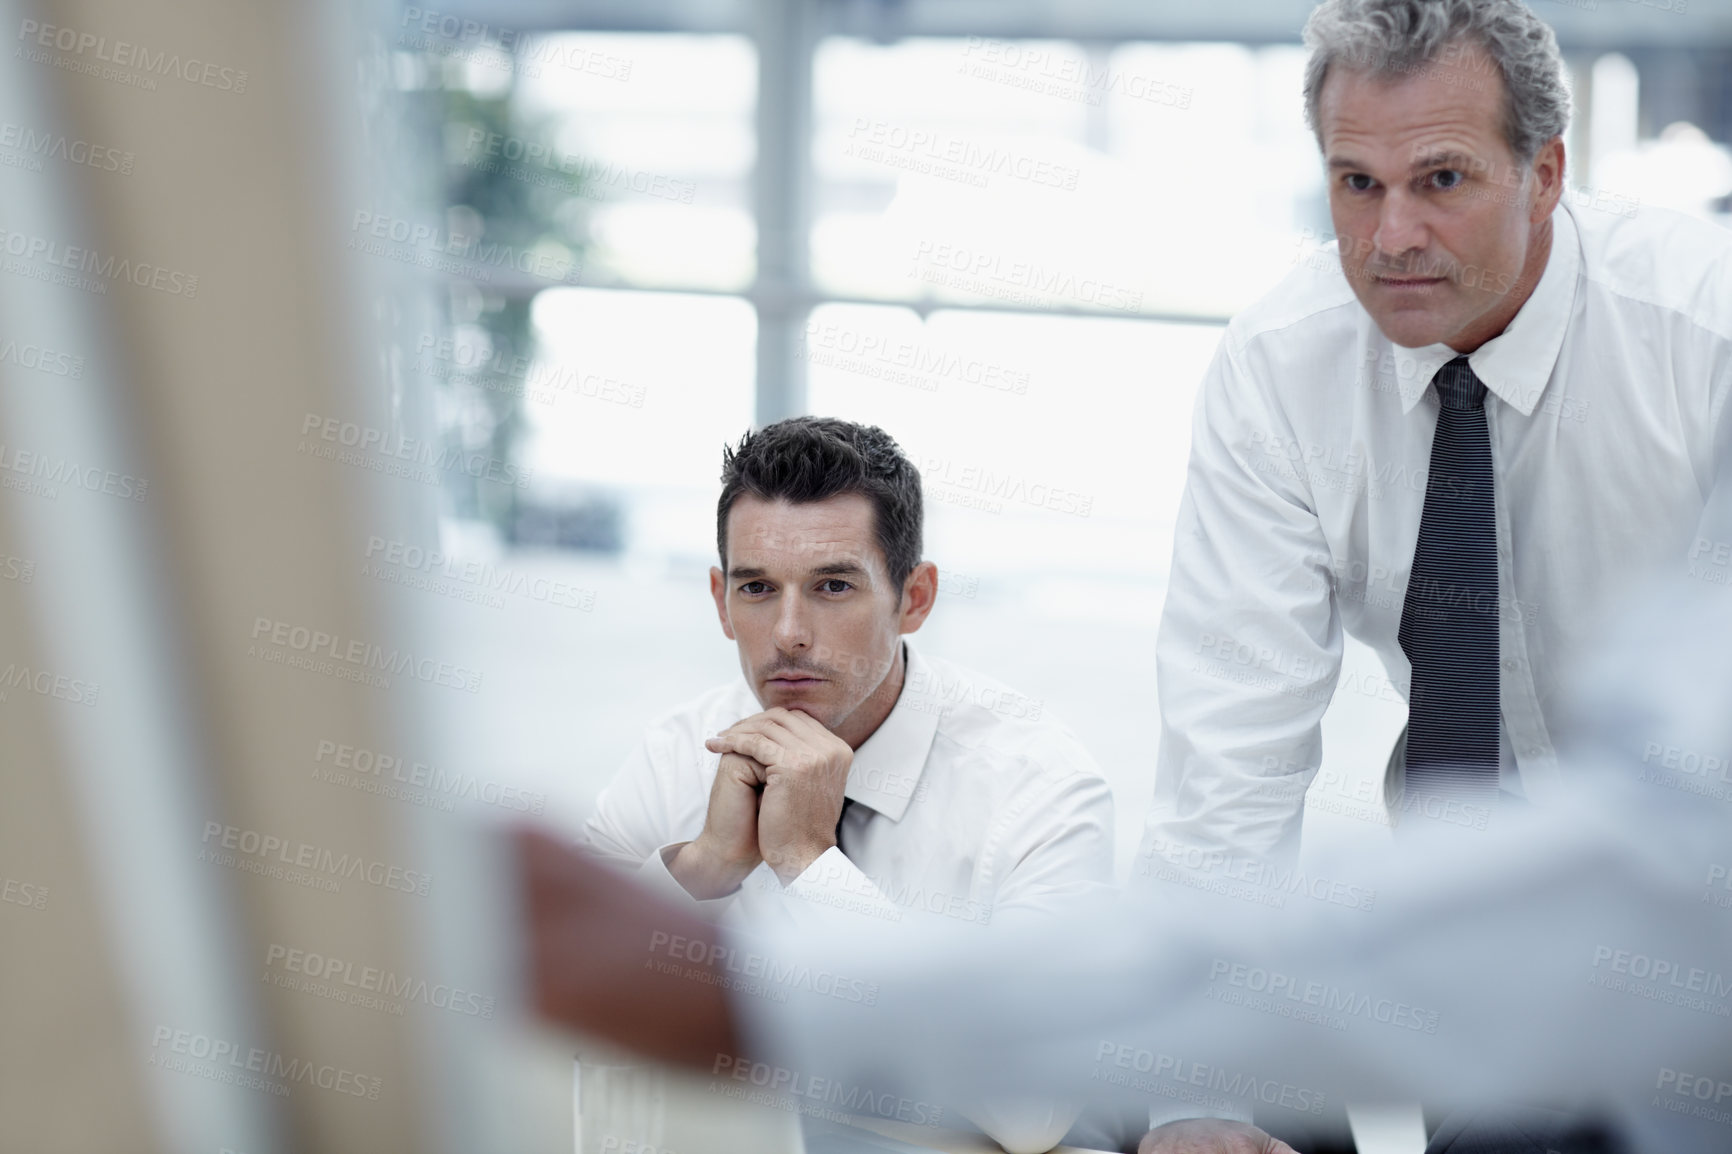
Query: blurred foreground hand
(611, 959)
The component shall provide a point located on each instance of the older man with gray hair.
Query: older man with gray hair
(1461, 443)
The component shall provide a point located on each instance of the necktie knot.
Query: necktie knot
(1458, 387)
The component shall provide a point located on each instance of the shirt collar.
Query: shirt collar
(887, 767)
(1517, 364)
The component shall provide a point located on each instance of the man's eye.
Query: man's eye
(1446, 178)
(1359, 182)
(753, 588)
(835, 585)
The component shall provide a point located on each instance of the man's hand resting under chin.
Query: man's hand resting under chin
(713, 864)
(805, 774)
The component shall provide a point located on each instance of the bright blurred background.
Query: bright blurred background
(1010, 235)
(365, 370)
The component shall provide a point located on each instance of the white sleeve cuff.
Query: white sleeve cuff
(1023, 1127)
(655, 874)
(833, 887)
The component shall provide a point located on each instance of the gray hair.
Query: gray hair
(1390, 37)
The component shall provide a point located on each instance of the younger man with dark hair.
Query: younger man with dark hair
(848, 771)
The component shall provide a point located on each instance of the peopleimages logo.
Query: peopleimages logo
(56, 146)
(222, 1060)
(495, 369)
(931, 692)
(1017, 64)
(1695, 1095)
(952, 157)
(917, 365)
(1018, 281)
(1705, 773)
(591, 177)
(1263, 881)
(352, 658)
(373, 772)
(41, 474)
(459, 37)
(804, 1092)
(756, 973)
(1667, 978)
(40, 358)
(124, 54)
(455, 252)
(1289, 996)
(265, 853)
(393, 454)
(990, 490)
(24, 894)
(1719, 877)
(367, 986)
(1122, 1056)
(47, 684)
(412, 566)
(77, 259)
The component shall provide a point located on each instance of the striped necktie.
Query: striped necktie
(1449, 621)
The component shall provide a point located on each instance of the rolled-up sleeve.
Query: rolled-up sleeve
(1249, 646)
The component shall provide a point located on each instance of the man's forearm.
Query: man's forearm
(791, 862)
(705, 874)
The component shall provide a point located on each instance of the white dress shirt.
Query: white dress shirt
(1311, 443)
(971, 802)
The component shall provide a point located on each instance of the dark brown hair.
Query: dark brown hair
(807, 459)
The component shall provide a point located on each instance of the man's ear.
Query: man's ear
(919, 591)
(1548, 179)
(719, 590)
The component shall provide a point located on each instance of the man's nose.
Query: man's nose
(1401, 228)
(793, 626)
